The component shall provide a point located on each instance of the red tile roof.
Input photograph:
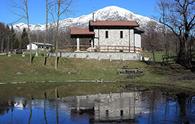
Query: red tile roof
(80, 31)
(114, 23)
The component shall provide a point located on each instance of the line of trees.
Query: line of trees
(11, 40)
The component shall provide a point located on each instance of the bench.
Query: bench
(130, 72)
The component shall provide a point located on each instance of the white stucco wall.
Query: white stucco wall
(132, 39)
(138, 40)
(129, 38)
(113, 37)
(33, 47)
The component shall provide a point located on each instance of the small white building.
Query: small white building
(39, 46)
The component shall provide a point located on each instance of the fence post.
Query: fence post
(78, 103)
(56, 93)
(45, 95)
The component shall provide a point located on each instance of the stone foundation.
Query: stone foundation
(100, 55)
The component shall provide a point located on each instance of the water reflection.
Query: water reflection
(146, 107)
(37, 112)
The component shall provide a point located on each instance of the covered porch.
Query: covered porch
(81, 33)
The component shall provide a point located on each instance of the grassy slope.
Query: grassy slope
(17, 69)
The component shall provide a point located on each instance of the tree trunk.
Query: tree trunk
(182, 98)
(11, 45)
(153, 55)
(184, 55)
(2, 45)
(46, 33)
(57, 34)
(8, 44)
(28, 23)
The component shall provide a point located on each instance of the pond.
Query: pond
(137, 107)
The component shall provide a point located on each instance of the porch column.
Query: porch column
(78, 44)
(92, 43)
(132, 40)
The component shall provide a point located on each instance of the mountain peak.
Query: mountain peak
(112, 12)
(113, 8)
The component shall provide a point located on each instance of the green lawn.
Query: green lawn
(158, 55)
(36, 79)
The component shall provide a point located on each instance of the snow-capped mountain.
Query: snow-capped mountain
(107, 13)
(21, 26)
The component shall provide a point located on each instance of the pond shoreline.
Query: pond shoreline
(67, 81)
(39, 90)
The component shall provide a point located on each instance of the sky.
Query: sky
(9, 13)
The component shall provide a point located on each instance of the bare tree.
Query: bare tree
(163, 12)
(62, 8)
(46, 31)
(27, 20)
(24, 14)
(179, 17)
(152, 38)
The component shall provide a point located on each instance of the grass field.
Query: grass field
(36, 79)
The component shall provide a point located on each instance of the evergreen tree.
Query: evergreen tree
(16, 44)
(8, 36)
(2, 37)
(24, 39)
(14, 41)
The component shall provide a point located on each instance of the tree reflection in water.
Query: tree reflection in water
(45, 112)
(5, 106)
(30, 115)
(184, 102)
(57, 112)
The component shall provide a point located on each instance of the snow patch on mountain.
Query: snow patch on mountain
(107, 13)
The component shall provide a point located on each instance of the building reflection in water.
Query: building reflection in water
(148, 107)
